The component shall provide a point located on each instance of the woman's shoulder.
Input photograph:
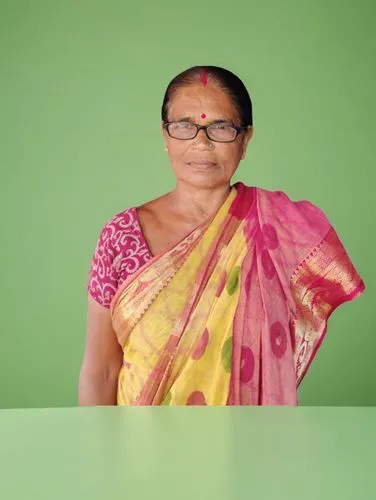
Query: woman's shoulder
(122, 223)
(122, 234)
(120, 251)
(279, 196)
(286, 209)
(290, 227)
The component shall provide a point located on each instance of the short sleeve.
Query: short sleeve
(103, 276)
(323, 280)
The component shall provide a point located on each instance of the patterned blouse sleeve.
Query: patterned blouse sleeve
(103, 276)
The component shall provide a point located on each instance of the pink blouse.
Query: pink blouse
(121, 250)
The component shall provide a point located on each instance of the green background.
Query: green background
(81, 88)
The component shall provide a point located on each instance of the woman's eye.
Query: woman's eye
(184, 125)
(222, 126)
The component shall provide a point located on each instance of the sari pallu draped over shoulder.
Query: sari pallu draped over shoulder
(234, 313)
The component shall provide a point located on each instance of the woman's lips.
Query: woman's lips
(202, 164)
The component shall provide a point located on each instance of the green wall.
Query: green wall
(81, 88)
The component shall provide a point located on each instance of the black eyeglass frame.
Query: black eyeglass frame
(203, 127)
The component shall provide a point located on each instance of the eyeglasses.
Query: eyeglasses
(218, 132)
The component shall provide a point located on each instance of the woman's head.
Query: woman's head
(215, 97)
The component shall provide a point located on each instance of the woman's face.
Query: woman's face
(201, 162)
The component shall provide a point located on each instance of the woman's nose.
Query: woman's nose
(202, 138)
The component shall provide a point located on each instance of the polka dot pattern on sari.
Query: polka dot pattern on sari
(197, 398)
(227, 355)
(247, 365)
(278, 339)
(221, 284)
(270, 236)
(201, 346)
(233, 280)
(267, 265)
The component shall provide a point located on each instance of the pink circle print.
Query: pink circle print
(270, 236)
(267, 265)
(278, 339)
(201, 346)
(196, 399)
(221, 284)
(247, 365)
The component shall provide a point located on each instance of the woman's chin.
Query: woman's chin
(204, 180)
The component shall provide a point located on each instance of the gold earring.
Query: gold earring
(166, 149)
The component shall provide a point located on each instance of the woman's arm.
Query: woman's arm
(102, 359)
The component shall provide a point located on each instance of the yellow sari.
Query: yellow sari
(235, 312)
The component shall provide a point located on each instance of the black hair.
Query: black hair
(225, 79)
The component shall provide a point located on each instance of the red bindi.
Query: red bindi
(203, 115)
(204, 77)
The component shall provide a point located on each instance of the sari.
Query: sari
(235, 312)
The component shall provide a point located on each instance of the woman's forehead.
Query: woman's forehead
(198, 99)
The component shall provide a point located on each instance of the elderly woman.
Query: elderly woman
(213, 294)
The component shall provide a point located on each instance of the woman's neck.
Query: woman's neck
(195, 204)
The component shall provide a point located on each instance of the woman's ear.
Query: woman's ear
(164, 133)
(247, 137)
